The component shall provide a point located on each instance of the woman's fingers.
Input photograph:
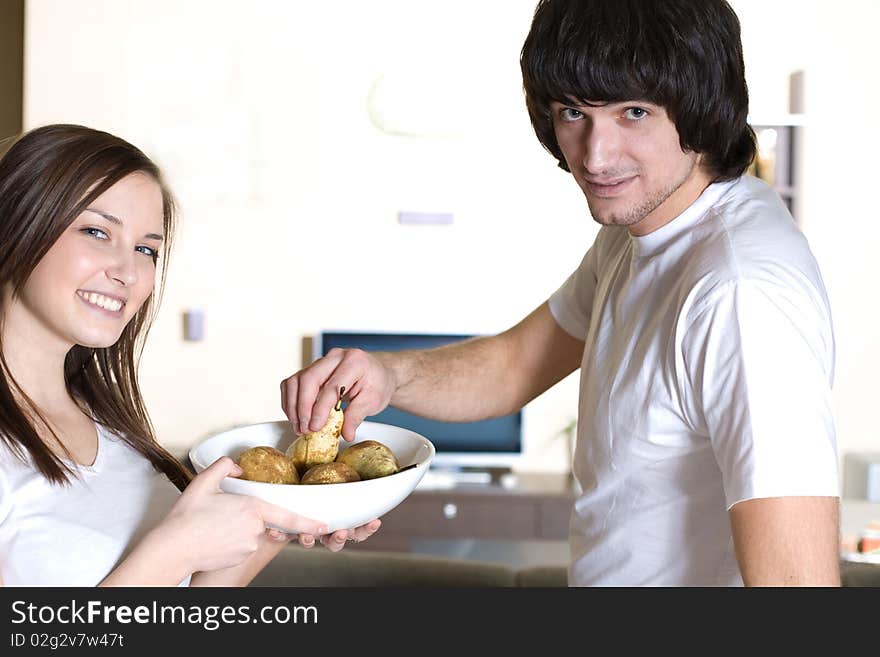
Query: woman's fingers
(277, 536)
(364, 532)
(208, 480)
(336, 541)
(287, 521)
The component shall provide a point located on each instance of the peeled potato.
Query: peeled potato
(370, 459)
(268, 465)
(330, 473)
(320, 446)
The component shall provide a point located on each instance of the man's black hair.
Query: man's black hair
(684, 55)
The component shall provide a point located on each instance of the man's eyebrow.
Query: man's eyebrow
(116, 220)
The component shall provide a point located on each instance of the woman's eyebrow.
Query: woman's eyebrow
(116, 220)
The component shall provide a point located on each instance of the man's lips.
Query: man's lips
(608, 188)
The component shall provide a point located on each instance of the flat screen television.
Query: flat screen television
(486, 444)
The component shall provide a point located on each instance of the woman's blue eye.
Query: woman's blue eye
(146, 250)
(635, 113)
(95, 232)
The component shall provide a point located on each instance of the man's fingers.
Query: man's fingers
(289, 388)
(326, 399)
(355, 413)
(309, 385)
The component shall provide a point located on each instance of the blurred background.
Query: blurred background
(294, 135)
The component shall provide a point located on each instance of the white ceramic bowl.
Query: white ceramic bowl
(340, 506)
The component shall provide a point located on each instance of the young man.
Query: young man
(706, 446)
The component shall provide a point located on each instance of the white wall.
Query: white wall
(260, 114)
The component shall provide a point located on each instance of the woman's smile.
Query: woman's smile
(111, 304)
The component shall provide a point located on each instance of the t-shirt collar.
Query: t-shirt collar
(648, 245)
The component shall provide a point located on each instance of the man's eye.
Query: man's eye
(635, 113)
(569, 114)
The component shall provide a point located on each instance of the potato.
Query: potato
(268, 465)
(370, 459)
(330, 473)
(320, 446)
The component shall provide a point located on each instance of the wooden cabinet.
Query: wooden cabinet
(11, 70)
(520, 507)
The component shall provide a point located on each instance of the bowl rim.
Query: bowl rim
(420, 465)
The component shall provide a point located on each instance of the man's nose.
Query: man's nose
(602, 149)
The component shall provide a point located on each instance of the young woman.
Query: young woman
(87, 494)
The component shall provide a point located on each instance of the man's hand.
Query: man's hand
(308, 395)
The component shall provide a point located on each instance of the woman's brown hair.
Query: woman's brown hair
(47, 178)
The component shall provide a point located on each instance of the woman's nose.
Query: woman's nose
(123, 269)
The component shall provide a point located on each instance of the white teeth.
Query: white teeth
(101, 301)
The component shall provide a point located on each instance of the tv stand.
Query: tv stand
(452, 477)
(460, 506)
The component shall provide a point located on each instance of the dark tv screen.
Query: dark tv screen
(486, 442)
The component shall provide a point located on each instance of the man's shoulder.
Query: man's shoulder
(744, 207)
(749, 237)
(747, 232)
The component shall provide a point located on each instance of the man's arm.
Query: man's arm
(787, 541)
(476, 379)
(487, 376)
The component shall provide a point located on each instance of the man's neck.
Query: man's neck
(676, 203)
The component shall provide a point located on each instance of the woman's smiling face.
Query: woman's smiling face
(100, 271)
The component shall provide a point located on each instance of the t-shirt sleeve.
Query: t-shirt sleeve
(572, 303)
(759, 361)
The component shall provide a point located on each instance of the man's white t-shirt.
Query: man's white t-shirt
(56, 535)
(705, 380)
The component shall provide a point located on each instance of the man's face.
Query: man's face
(627, 159)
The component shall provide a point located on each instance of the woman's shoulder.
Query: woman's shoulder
(16, 469)
(12, 454)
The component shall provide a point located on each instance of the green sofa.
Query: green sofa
(318, 567)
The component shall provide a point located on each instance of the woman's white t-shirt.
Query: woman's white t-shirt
(74, 535)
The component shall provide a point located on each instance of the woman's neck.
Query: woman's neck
(35, 360)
